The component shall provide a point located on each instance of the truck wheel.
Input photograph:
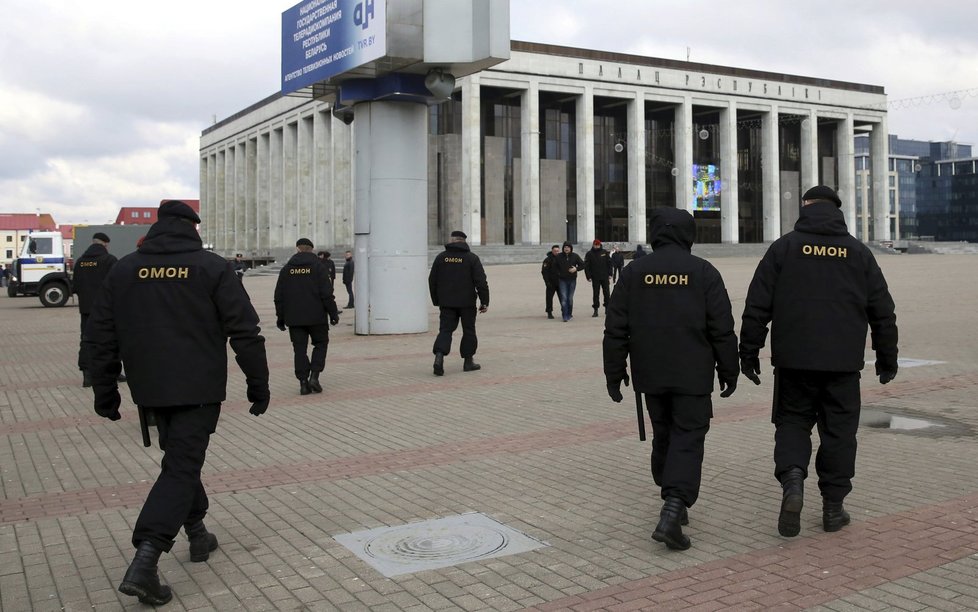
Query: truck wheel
(54, 294)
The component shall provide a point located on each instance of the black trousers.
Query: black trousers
(599, 284)
(84, 349)
(349, 293)
(447, 323)
(177, 499)
(829, 400)
(551, 292)
(300, 336)
(679, 426)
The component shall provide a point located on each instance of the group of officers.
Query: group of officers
(173, 306)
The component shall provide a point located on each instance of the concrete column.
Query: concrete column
(391, 196)
(809, 152)
(276, 209)
(305, 173)
(636, 169)
(729, 196)
(251, 198)
(684, 155)
(879, 157)
(263, 198)
(341, 162)
(530, 162)
(208, 191)
(239, 203)
(322, 181)
(585, 165)
(226, 221)
(771, 171)
(471, 159)
(846, 147)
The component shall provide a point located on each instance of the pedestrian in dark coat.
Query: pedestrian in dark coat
(304, 302)
(617, 263)
(456, 279)
(168, 311)
(329, 264)
(639, 252)
(569, 264)
(598, 270)
(550, 279)
(670, 316)
(86, 281)
(820, 289)
(348, 277)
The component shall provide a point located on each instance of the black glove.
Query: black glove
(750, 367)
(614, 388)
(280, 324)
(259, 408)
(885, 373)
(727, 387)
(334, 321)
(107, 402)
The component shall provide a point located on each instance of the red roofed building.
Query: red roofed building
(14, 228)
(145, 215)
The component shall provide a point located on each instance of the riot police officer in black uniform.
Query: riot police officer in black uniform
(87, 275)
(598, 269)
(820, 288)
(456, 278)
(549, 272)
(670, 315)
(168, 311)
(303, 301)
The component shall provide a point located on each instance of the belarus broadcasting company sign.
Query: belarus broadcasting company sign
(324, 38)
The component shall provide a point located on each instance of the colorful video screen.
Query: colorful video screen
(706, 187)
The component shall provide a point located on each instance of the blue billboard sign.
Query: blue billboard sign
(324, 38)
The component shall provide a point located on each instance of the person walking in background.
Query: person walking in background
(456, 279)
(670, 316)
(568, 264)
(86, 281)
(329, 264)
(240, 266)
(639, 252)
(168, 311)
(617, 263)
(303, 301)
(820, 289)
(550, 279)
(348, 277)
(598, 270)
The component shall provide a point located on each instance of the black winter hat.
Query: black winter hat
(821, 192)
(458, 234)
(101, 236)
(176, 208)
(303, 242)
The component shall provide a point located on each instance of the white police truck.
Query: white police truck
(42, 270)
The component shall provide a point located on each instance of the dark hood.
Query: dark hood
(95, 250)
(822, 217)
(304, 259)
(672, 226)
(567, 244)
(171, 235)
(457, 246)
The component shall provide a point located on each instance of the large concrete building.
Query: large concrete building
(562, 143)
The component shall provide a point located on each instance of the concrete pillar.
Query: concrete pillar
(341, 162)
(305, 168)
(530, 162)
(276, 212)
(323, 181)
(225, 189)
(879, 157)
(208, 190)
(809, 152)
(729, 196)
(263, 198)
(770, 171)
(684, 155)
(239, 203)
(636, 169)
(585, 165)
(471, 159)
(846, 147)
(251, 198)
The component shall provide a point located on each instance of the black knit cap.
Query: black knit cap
(821, 192)
(303, 242)
(458, 234)
(101, 236)
(176, 208)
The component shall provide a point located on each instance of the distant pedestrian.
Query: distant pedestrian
(568, 265)
(617, 263)
(598, 270)
(550, 279)
(639, 252)
(820, 289)
(456, 279)
(329, 264)
(348, 277)
(87, 275)
(670, 318)
(240, 266)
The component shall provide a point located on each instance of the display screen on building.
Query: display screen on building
(706, 187)
(324, 38)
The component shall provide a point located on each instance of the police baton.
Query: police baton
(641, 416)
(144, 425)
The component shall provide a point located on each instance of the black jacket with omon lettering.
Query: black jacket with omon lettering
(457, 278)
(304, 292)
(89, 272)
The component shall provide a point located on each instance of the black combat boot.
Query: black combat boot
(439, 366)
(669, 530)
(792, 499)
(142, 580)
(550, 314)
(86, 379)
(595, 313)
(304, 388)
(314, 384)
(470, 366)
(202, 542)
(684, 519)
(834, 516)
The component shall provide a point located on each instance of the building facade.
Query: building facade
(14, 229)
(560, 143)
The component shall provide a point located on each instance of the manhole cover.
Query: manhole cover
(437, 543)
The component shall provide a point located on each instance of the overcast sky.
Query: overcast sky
(102, 102)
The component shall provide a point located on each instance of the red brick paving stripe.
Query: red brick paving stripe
(833, 566)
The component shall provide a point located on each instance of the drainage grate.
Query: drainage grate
(437, 543)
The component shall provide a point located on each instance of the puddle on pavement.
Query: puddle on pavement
(880, 419)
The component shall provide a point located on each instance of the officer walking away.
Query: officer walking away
(819, 288)
(329, 264)
(240, 266)
(550, 279)
(639, 252)
(569, 264)
(303, 300)
(168, 311)
(617, 263)
(87, 275)
(598, 270)
(670, 315)
(456, 279)
(348, 277)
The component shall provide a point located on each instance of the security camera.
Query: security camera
(441, 84)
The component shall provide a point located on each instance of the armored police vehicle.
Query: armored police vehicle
(42, 270)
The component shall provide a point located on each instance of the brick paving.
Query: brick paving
(531, 440)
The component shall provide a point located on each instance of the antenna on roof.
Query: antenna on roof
(687, 53)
